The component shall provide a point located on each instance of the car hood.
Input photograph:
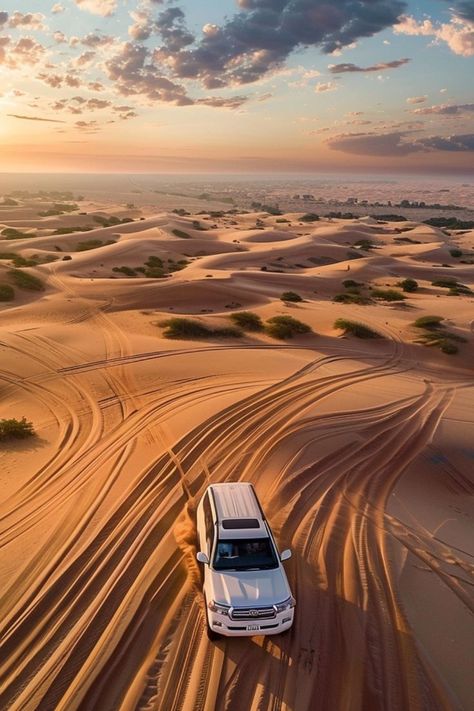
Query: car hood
(257, 588)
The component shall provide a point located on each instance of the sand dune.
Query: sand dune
(360, 450)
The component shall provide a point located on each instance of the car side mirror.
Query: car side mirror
(202, 558)
(284, 555)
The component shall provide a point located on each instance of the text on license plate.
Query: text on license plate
(253, 628)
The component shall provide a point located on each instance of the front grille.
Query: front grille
(253, 613)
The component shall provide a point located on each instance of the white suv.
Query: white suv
(245, 587)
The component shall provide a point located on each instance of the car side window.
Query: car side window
(209, 524)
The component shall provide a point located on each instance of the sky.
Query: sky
(237, 86)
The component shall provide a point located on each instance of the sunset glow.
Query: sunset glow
(297, 85)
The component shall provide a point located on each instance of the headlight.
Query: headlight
(217, 607)
(285, 605)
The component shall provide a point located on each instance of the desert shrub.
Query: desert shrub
(247, 321)
(429, 322)
(12, 233)
(19, 261)
(365, 244)
(155, 273)
(445, 282)
(24, 280)
(187, 328)
(349, 297)
(8, 255)
(390, 217)
(181, 234)
(128, 271)
(388, 294)
(309, 217)
(154, 262)
(66, 258)
(18, 429)
(7, 292)
(408, 285)
(71, 230)
(355, 328)
(451, 223)
(180, 211)
(291, 296)
(285, 327)
(448, 347)
(349, 283)
(455, 252)
(454, 286)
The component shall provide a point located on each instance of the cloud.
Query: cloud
(95, 40)
(88, 126)
(416, 99)
(342, 68)
(463, 9)
(134, 73)
(57, 8)
(25, 52)
(30, 21)
(56, 81)
(142, 26)
(98, 7)
(259, 38)
(35, 118)
(3, 18)
(445, 109)
(398, 143)
(375, 144)
(325, 86)
(458, 33)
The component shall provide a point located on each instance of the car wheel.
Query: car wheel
(213, 636)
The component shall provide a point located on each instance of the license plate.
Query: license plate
(253, 628)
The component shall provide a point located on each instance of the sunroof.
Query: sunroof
(240, 523)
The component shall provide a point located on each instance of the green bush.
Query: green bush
(448, 347)
(24, 280)
(350, 283)
(128, 271)
(181, 234)
(445, 282)
(408, 285)
(309, 217)
(291, 296)
(19, 261)
(8, 255)
(187, 328)
(349, 297)
(7, 292)
(285, 327)
(388, 294)
(429, 322)
(355, 328)
(154, 262)
(247, 321)
(18, 429)
(365, 244)
(155, 273)
(455, 252)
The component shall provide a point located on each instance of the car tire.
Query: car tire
(211, 635)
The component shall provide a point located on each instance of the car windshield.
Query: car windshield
(245, 554)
